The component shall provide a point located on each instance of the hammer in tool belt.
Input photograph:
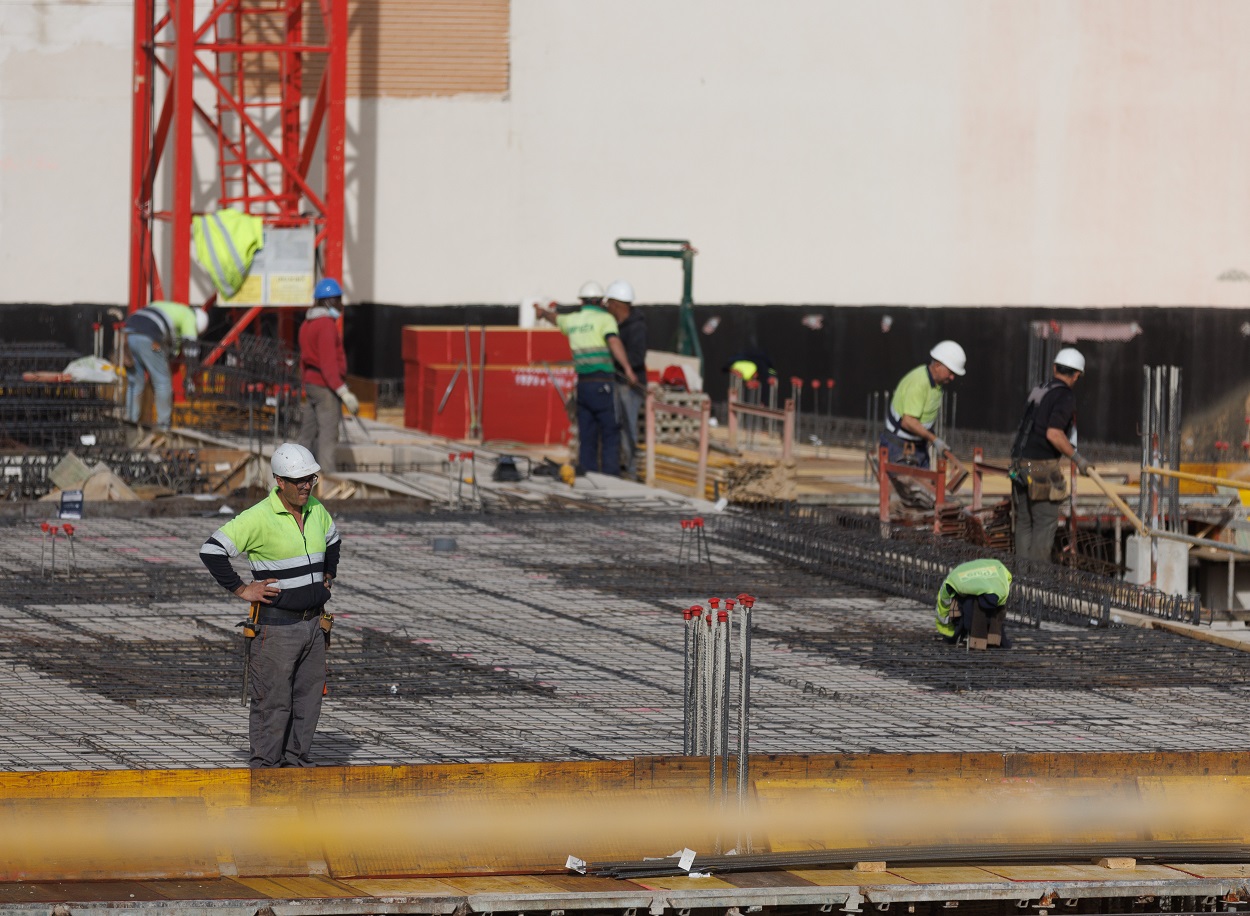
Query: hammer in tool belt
(251, 627)
(327, 624)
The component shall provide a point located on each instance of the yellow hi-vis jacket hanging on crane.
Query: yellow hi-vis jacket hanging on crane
(225, 244)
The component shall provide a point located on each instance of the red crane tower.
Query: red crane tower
(255, 58)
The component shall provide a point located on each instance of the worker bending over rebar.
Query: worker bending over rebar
(972, 604)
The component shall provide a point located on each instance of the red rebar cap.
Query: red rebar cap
(753, 384)
(43, 526)
(815, 383)
(687, 613)
(696, 522)
(451, 456)
(69, 530)
(746, 600)
(685, 523)
(828, 383)
(722, 617)
(54, 529)
(772, 380)
(729, 604)
(795, 380)
(1221, 445)
(95, 325)
(465, 456)
(713, 603)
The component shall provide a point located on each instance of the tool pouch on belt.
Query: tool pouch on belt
(1045, 480)
(327, 623)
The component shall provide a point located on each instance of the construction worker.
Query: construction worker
(154, 336)
(914, 408)
(1044, 444)
(595, 341)
(591, 293)
(972, 602)
(632, 328)
(293, 548)
(323, 367)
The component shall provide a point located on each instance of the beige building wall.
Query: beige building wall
(1037, 152)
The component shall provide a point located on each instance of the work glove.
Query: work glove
(1082, 463)
(349, 400)
(940, 447)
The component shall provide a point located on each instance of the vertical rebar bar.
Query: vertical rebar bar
(744, 718)
(1143, 498)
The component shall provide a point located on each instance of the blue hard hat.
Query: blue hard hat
(327, 289)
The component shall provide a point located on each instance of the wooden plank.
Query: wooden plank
(503, 884)
(219, 889)
(947, 874)
(401, 887)
(846, 877)
(1083, 872)
(308, 888)
(764, 879)
(1215, 870)
(102, 891)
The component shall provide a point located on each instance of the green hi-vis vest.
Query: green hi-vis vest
(588, 330)
(225, 244)
(976, 577)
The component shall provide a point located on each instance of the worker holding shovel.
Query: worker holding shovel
(1044, 444)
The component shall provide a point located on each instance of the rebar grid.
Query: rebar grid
(551, 635)
(26, 475)
(912, 563)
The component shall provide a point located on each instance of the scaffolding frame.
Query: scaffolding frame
(265, 144)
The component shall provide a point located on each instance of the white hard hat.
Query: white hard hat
(1070, 358)
(620, 291)
(590, 290)
(201, 321)
(293, 461)
(951, 355)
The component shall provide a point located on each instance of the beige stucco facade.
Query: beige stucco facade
(1033, 152)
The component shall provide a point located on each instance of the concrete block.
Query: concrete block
(1171, 573)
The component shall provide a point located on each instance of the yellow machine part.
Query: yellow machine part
(413, 823)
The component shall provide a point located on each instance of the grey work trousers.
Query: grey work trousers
(319, 420)
(1037, 520)
(628, 405)
(287, 670)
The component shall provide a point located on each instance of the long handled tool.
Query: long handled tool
(1117, 502)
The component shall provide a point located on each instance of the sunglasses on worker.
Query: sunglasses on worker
(302, 481)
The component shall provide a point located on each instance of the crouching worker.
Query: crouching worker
(972, 604)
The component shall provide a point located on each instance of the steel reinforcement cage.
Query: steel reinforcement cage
(912, 563)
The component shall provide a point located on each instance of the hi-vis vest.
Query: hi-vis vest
(225, 244)
(976, 577)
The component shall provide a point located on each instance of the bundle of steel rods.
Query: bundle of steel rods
(709, 637)
(1001, 853)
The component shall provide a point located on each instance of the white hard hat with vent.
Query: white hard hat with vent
(590, 290)
(951, 355)
(1070, 358)
(293, 461)
(620, 291)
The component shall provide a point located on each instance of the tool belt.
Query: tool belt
(1044, 479)
(276, 617)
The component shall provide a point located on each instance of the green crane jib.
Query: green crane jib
(687, 337)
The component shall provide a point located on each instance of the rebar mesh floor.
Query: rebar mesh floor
(551, 636)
